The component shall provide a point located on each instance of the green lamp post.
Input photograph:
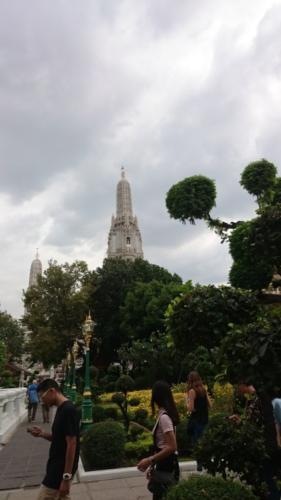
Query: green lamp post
(87, 418)
(72, 390)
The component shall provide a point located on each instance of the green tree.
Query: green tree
(109, 287)
(202, 316)
(151, 359)
(190, 199)
(12, 336)
(145, 306)
(258, 242)
(251, 352)
(55, 310)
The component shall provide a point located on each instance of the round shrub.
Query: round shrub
(140, 448)
(135, 431)
(141, 415)
(209, 488)
(103, 445)
(98, 413)
(134, 402)
(228, 447)
(111, 412)
(125, 383)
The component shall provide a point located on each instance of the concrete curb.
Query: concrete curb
(122, 473)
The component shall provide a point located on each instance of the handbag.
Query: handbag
(160, 480)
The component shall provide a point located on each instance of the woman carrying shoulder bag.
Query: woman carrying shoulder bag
(162, 467)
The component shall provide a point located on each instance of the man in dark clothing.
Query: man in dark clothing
(64, 449)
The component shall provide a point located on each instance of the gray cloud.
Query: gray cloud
(168, 92)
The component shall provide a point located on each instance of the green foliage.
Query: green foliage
(145, 305)
(252, 352)
(255, 245)
(110, 412)
(12, 336)
(228, 447)
(141, 415)
(140, 448)
(103, 445)
(2, 356)
(56, 308)
(109, 287)
(202, 316)
(204, 361)
(125, 383)
(192, 198)
(258, 178)
(256, 249)
(98, 413)
(183, 438)
(113, 372)
(209, 488)
(152, 359)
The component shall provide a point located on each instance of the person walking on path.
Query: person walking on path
(162, 467)
(198, 404)
(32, 400)
(64, 450)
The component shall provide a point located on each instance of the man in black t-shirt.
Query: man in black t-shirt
(64, 449)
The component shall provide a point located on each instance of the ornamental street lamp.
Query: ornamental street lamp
(72, 390)
(87, 330)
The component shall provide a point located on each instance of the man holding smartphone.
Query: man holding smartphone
(64, 450)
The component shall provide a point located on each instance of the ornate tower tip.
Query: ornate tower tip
(37, 254)
(123, 172)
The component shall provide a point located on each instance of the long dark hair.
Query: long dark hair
(163, 397)
(194, 382)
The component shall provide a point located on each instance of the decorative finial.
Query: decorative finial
(37, 253)
(123, 172)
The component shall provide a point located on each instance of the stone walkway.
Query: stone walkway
(115, 489)
(23, 459)
(22, 467)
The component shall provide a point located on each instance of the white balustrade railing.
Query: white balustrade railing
(12, 411)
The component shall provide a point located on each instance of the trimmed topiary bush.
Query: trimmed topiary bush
(98, 413)
(141, 415)
(210, 488)
(111, 412)
(229, 448)
(103, 445)
(140, 448)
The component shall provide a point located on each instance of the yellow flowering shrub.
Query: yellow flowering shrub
(144, 397)
(223, 398)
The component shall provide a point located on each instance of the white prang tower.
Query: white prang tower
(124, 240)
(35, 271)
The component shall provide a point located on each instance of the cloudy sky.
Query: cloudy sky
(166, 88)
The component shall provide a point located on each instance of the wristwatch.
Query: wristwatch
(67, 476)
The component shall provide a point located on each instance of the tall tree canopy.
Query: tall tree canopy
(55, 310)
(110, 285)
(255, 245)
(202, 316)
(145, 305)
(11, 336)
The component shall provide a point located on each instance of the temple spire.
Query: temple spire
(35, 270)
(124, 236)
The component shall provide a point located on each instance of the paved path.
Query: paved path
(22, 467)
(115, 489)
(23, 459)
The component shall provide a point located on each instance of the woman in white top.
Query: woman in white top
(164, 457)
